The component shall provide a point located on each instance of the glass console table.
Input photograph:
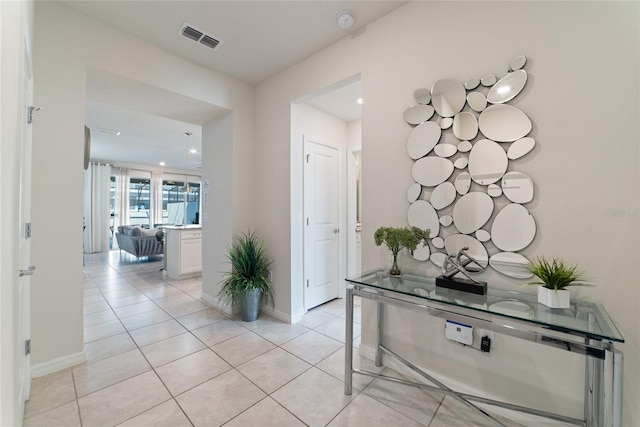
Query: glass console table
(585, 328)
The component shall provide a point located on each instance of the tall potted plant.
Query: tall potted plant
(554, 277)
(249, 280)
(397, 239)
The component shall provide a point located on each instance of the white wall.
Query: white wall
(61, 62)
(16, 25)
(582, 96)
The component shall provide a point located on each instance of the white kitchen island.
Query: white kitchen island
(183, 251)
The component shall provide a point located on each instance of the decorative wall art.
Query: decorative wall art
(465, 141)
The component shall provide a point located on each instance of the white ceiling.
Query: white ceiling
(260, 39)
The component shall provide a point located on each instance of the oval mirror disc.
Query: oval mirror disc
(518, 62)
(422, 252)
(432, 170)
(504, 123)
(445, 150)
(414, 191)
(446, 220)
(438, 258)
(487, 162)
(417, 114)
(519, 148)
(488, 80)
(472, 83)
(461, 163)
(510, 264)
(477, 101)
(422, 215)
(494, 190)
(508, 87)
(455, 242)
(517, 187)
(513, 228)
(422, 139)
(443, 195)
(438, 242)
(465, 126)
(463, 183)
(465, 147)
(448, 97)
(446, 123)
(483, 235)
(472, 211)
(422, 96)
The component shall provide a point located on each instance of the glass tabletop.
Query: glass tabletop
(583, 318)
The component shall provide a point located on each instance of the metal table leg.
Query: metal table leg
(378, 334)
(348, 345)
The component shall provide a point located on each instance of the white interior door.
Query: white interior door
(322, 223)
(24, 234)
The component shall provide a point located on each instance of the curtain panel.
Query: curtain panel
(121, 214)
(156, 198)
(96, 232)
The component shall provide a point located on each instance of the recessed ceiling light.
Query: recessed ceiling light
(109, 131)
(193, 151)
(359, 101)
(162, 163)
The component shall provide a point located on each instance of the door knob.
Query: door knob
(28, 272)
(336, 230)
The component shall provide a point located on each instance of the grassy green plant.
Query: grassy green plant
(250, 269)
(555, 274)
(397, 239)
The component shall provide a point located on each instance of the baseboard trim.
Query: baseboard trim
(58, 364)
(519, 417)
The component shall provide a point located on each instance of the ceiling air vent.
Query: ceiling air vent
(196, 35)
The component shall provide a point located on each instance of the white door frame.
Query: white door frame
(341, 215)
(354, 265)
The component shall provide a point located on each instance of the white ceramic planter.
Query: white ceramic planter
(552, 298)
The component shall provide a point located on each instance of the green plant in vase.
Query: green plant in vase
(554, 277)
(397, 239)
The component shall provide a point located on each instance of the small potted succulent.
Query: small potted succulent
(397, 239)
(554, 277)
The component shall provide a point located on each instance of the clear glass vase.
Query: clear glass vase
(395, 270)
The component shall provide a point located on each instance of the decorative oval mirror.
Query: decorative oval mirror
(487, 162)
(422, 215)
(472, 211)
(510, 264)
(494, 190)
(463, 183)
(443, 195)
(517, 187)
(518, 62)
(432, 170)
(504, 123)
(455, 242)
(422, 252)
(513, 228)
(520, 148)
(422, 96)
(465, 147)
(465, 126)
(422, 139)
(446, 123)
(477, 101)
(448, 97)
(461, 163)
(438, 258)
(446, 220)
(417, 114)
(508, 87)
(438, 242)
(488, 80)
(414, 191)
(483, 235)
(445, 150)
(472, 83)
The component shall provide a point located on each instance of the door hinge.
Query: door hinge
(27, 230)
(308, 155)
(307, 220)
(27, 347)
(307, 283)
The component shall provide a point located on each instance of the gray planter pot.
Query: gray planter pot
(250, 305)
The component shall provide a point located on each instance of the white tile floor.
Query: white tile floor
(157, 356)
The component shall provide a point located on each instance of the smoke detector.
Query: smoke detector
(345, 19)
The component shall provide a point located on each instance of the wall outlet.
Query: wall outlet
(483, 332)
(459, 332)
